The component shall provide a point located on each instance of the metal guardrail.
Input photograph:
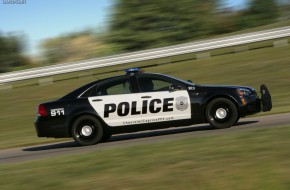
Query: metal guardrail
(145, 55)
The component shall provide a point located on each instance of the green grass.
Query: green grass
(249, 159)
(268, 66)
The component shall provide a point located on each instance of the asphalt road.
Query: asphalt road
(23, 154)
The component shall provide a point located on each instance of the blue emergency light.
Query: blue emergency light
(133, 70)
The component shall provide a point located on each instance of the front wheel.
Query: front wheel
(221, 113)
(87, 130)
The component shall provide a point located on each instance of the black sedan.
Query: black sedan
(144, 101)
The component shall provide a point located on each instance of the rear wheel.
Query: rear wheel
(222, 113)
(87, 130)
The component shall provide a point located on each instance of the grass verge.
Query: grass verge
(252, 159)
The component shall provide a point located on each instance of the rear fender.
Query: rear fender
(80, 112)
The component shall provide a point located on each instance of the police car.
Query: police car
(144, 101)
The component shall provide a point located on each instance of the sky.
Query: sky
(38, 20)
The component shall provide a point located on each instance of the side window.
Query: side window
(160, 85)
(121, 86)
(152, 84)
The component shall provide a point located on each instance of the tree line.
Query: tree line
(138, 25)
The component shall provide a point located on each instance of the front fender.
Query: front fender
(229, 95)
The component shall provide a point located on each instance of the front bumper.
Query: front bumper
(266, 99)
(254, 104)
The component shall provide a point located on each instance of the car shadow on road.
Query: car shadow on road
(245, 123)
(52, 146)
(131, 136)
(168, 131)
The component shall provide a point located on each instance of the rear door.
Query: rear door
(115, 103)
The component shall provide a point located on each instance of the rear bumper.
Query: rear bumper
(46, 128)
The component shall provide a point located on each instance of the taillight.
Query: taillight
(42, 111)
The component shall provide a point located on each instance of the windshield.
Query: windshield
(180, 80)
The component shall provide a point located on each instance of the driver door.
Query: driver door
(160, 102)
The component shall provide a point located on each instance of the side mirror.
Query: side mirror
(174, 87)
(189, 81)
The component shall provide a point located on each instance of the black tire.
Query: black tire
(236, 123)
(87, 130)
(106, 136)
(222, 113)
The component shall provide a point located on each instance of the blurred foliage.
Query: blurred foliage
(258, 13)
(74, 47)
(137, 24)
(11, 47)
(264, 11)
(285, 11)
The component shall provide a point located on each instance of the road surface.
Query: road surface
(23, 154)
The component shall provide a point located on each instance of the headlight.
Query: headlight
(244, 92)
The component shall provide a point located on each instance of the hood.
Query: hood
(227, 87)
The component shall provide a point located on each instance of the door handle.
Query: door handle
(146, 97)
(97, 100)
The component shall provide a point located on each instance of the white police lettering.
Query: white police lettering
(130, 108)
(137, 108)
(57, 111)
